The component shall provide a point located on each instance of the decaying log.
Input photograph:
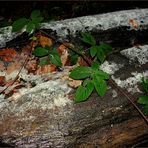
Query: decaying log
(46, 116)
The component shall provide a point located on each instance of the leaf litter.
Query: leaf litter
(12, 61)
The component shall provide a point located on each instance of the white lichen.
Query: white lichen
(131, 83)
(110, 67)
(114, 93)
(98, 22)
(139, 54)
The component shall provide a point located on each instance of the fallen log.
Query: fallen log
(46, 116)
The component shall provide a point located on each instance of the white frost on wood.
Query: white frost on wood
(131, 83)
(110, 67)
(137, 54)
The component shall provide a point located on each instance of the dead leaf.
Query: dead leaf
(13, 66)
(64, 54)
(31, 66)
(46, 69)
(8, 54)
(2, 80)
(2, 67)
(45, 41)
(75, 83)
(81, 62)
(134, 23)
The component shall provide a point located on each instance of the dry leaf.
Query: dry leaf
(134, 23)
(75, 83)
(13, 66)
(2, 80)
(8, 54)
(2, 67)
(81, 62)
(31, 66)
(64, 54)
(46, 69)
(45, 41)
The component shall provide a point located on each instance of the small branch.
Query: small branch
(129, 99)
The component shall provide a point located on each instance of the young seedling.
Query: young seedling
(49, 54)
(30, 24)
(93, 77)
(144, 99)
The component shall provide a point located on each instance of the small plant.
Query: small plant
(30, 24)
(93, 77)
(96, 51)
(144, 99)
(47, 54)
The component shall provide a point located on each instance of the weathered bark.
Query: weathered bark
(46, 117)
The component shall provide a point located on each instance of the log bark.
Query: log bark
(46, 116)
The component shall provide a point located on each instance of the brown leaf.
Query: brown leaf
(2, 67)
(64, 54)
(46, 69)
(13, 66)
(31, 66)
(8, 54)
(134, 23)
(81, 62)
(2, 80)
(75, 83)
(45, 41)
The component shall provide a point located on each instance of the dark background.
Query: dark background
(58, 10)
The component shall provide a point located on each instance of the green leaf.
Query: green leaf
(102, 74)
(74, 59)
(100, 85)
(89, 88)
(93, 51)
(48, 48)
(145, 84)
(101, 55)
(19, 24)
(33, 38)
(88, 38)
(80, 94)
(95, 65)
(55, 58)
(30, 27)
(36, 17)
(143, 100)
(37, 20)
(80, 72)
(40, 51)
(146, 109)
(44, 61)
(83, 92)
(105, 47)
(35, 14)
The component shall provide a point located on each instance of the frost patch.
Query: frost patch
(131, 83)
(137, 54)
(110, 67)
